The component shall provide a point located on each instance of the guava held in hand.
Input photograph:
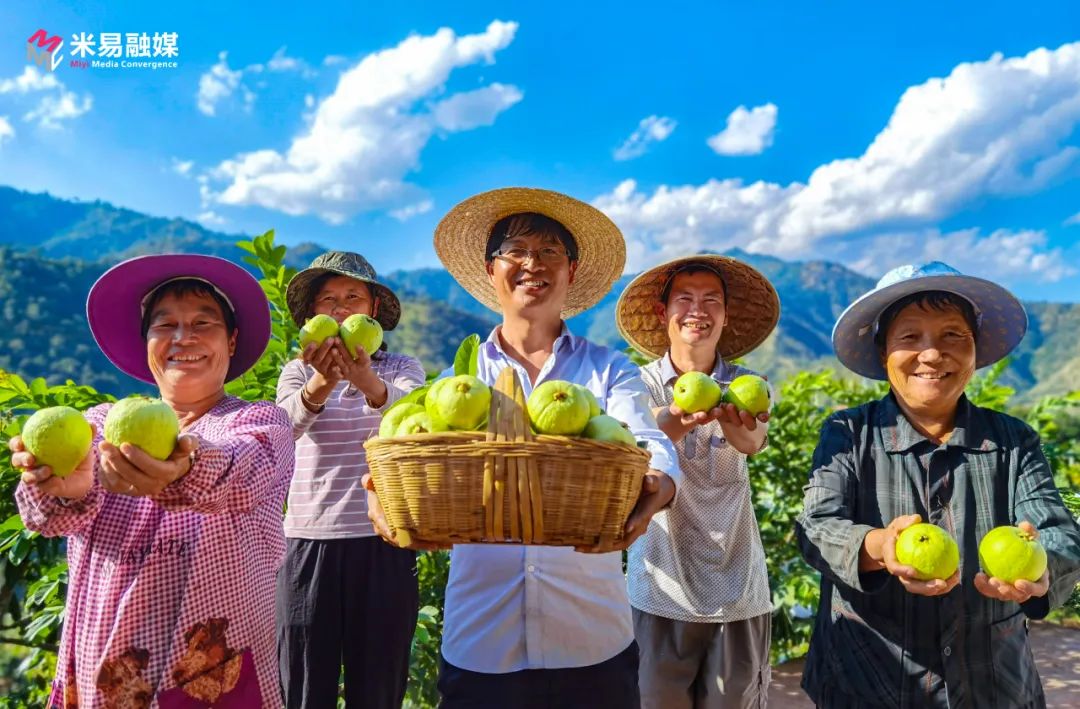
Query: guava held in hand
(58, 437)
(748, 393)
(928, 549)
(558, 408)
(1010, 554)
(361, 331)
(461, 402)
(149, 424)
(696, 391)
(392, 419)
(317, 329)
(609, 429)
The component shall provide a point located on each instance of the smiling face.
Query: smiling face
(341, 296)
(694, 312)
(534, 287)
(929, 356)
(189, 345)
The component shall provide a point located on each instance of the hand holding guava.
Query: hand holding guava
(129, 470)
(73, 486)
(1022, 552)
(907, 575)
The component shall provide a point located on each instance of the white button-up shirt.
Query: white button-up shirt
(517, 607)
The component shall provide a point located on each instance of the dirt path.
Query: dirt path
(1057, 653)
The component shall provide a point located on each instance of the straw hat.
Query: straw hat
(462, 236)
(753, 307)
(1001, 318)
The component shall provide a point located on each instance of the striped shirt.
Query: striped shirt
(170, 599)
(875, 644)
(326, 500)
(702, 559)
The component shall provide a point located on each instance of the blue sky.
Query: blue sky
(871, 136)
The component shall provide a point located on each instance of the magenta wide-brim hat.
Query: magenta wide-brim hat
(114, 308)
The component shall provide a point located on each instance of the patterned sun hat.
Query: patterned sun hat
(300, 293)
(753, 307)
(1001, 319)
(462, 236)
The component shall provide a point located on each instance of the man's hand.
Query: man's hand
(72, 487)
(1022, 590)
(657, 489)
(129, 470)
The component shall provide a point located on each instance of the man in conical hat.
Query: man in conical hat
(697, 578)
(538, 626)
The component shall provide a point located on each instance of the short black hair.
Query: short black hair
(928, 300)
(524, 223)
(187, 286)
(692, 268)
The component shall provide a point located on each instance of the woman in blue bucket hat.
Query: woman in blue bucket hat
(925, 453)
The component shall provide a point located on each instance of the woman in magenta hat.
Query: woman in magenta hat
(172, 562)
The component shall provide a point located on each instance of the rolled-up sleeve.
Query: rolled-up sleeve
(1038, 501)
(628, 401)
(829, 538)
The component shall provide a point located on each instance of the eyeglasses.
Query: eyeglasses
(519, 255)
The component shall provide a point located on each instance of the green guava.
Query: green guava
(558, 408)
(610, 429)
(594, 405)
(749, 393)
(462, 402)
(420, 422)
(929, 550)
(317, 329)
(1010, 553)
(361, 331)
(147, 423)
(58, 437)
(696, 391)
(393, 418)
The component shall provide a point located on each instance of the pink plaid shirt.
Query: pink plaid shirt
(171, 599)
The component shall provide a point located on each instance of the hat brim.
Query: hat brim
(114, 313)
(299, 296)
(462, 236)
(1004, 321)
(753, 307)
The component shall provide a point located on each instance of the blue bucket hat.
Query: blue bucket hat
(1001, 320)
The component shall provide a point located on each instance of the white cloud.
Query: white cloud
(409, 211)
(7, 132)
(473, 109)
(748, 132)
(31, 80)
(334, 60)
(282, 63)
(367, 136)
(653, 129)
(309, 101)
(55, 106)
(217, 85)
(993, 128)
(1073, 220)
(182, 167)
(210, 218)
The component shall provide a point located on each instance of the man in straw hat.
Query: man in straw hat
(536, 626)
(886, 635)
(697, 578)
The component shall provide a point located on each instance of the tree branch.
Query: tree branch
(26, 643)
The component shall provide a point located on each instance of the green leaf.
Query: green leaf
(465, 360)
(416, 396)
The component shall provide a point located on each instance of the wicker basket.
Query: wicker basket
(507, 485)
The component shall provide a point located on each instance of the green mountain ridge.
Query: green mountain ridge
(52, 250)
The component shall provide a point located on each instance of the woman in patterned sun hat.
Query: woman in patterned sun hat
(885, 636)
(172, 562)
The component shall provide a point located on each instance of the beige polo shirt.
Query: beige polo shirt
(701, 560)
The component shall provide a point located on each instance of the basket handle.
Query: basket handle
(512, 480)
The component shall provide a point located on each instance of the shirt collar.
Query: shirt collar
(494, 345)
(668, 373)
(971, 431)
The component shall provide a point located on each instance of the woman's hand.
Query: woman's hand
(326, 361)
(885, 556)
(72, 487)
(129, 470)
(1022, 590)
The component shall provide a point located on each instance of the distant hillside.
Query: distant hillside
(51, 250)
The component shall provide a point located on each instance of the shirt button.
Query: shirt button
(947, 651)
(531, 568)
